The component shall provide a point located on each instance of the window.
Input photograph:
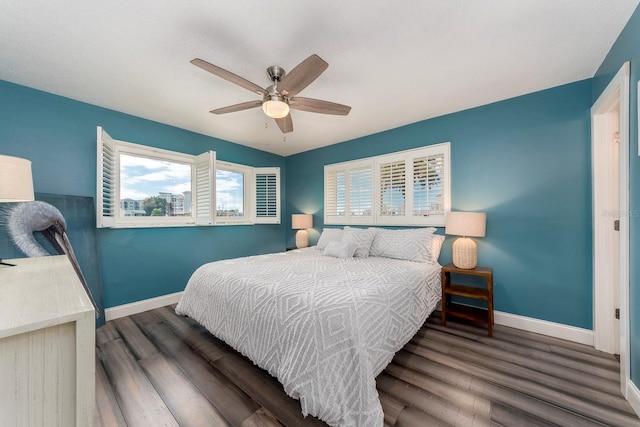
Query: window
(404, 188)
(231, 192)
(348, 193)
(141, 186)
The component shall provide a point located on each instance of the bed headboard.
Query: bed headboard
(79, 213)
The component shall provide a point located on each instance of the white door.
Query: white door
(614, 144)
(610, 162)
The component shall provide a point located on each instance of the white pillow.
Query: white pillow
(329, 235)
(413, 244)
(340, 249)
(436, 246)
(363, 237)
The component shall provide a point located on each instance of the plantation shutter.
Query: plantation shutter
(106, 180)
(405, 188)
(267, 193)
(205, 188)
(428, 185)
(349, 193)
(392, 179)
(360, 200)
(335, 195)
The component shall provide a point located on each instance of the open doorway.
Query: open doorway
(610, 171)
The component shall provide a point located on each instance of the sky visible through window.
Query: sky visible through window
(142, 177)
(229, 192)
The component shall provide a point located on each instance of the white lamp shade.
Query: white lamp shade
(470, 224)
(275, 109)
(301, 221)
(16, 181)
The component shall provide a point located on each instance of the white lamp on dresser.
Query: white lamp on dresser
(465, 224)
(16, 182)
(300, 222)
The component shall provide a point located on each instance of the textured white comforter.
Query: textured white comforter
(325, 327)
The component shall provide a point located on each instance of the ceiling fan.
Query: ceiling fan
(278, 98)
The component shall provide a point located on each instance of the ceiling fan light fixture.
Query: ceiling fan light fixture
(275, 108)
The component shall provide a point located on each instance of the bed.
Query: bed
(324, 326)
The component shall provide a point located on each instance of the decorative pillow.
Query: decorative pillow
(329, 235)
(363, 237)
(413, 244)
(436, 246)
(340, 249)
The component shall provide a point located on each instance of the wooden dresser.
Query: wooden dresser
(47, 345)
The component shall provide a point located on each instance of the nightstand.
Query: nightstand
(482, 293)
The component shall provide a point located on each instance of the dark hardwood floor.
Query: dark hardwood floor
(160, 369)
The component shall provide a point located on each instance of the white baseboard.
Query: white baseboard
(557, 330)
(140, 306)
(633, 396)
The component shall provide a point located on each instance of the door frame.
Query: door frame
(615, 97)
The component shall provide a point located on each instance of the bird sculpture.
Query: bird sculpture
(27, 218)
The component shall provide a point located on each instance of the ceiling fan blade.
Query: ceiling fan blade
(302, 75)
(318, 106)
(229, 76)
(237, 107)
(285, 124)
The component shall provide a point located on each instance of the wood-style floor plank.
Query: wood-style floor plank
(265, 390)
(547, 394)
(187, 404)
(171, 371)
(138, 344)
(194, 335)
(501, 349)
(231, 401)
(140, 403)
(411, 417)
(391, 406)
(261, 418)
(107, 409)
(496, 393)
(417, 398)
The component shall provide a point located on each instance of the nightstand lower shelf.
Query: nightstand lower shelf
(467, 312)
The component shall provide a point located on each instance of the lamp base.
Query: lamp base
(465, 253)
(302, 239)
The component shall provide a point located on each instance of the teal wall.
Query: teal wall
(59, 136)
(627, 48)
(526, 163)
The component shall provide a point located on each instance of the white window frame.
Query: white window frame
(376, 218)
(247, 189)
(203, 187)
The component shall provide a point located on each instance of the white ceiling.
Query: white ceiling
(394, 63)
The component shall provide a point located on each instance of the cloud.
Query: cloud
(144, 177)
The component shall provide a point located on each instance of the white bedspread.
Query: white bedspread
(325, 327)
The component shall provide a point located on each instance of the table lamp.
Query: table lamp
(465, 224)
(16, 182)
(300, 222)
